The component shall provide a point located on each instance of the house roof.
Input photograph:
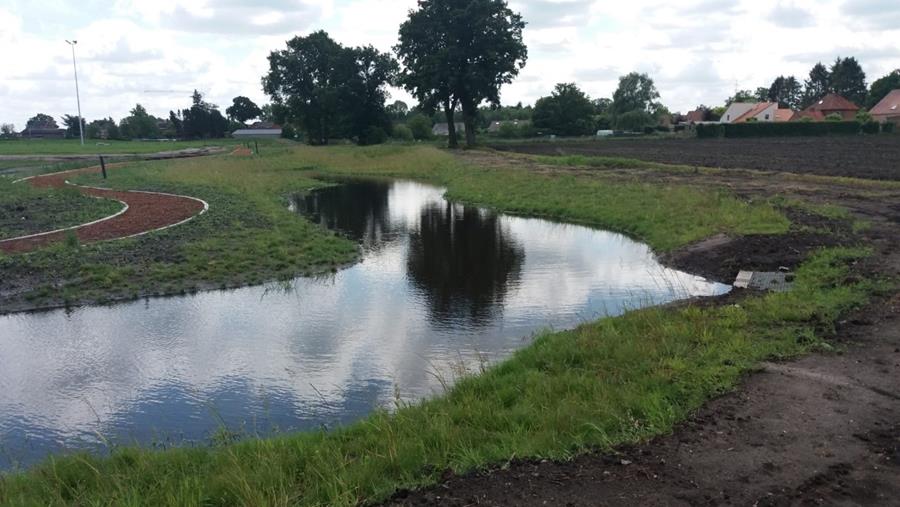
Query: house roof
(784, 114)
(889, 105)
(755, 110)
(495, 125)
(833, 102)
(695, 116)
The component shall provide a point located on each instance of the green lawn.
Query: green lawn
(97, 147)
(605, 383)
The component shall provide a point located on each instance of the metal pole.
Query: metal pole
(77, 93)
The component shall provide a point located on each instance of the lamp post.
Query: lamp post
(77, 94)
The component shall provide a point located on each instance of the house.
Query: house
(888, 110)
(494, 127)
(43, 133)
(828, 105)
(740, 112)
(443, 129)
(695, 116)
(257, 133)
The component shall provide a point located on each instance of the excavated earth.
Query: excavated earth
(821, 430)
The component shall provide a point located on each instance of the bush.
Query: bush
(663, 128)
(288, 132)
(634, 121)
(649, 130)
(863, 117)
(710, 130)
(888, 128)
(871, 127)
(373, 135)
(834, 117)
(508, 131)
(420, 125)
(403, 133)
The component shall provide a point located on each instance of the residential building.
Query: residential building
(740, 112)
(43, 133)
(494, 127)
(443, 129)
(828, 105)
(888, 110)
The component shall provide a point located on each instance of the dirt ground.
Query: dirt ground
(876, 157)
(822, 430)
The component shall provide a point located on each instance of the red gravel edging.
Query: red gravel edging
(146, 212)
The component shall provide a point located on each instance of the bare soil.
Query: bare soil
(822, 430)
(874, 156)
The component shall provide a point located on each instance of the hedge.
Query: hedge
(779, 129)
(888, 128)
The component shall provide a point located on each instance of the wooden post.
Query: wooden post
(103, 167)
(256, 143)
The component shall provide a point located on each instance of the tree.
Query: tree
(398, 110)
(71, 123)
(761, 94)
(202, 121)
(7, 130)
(635, 120)
(848, 80)
(636, 92)
(41, 121)
(602, 106)
(243, 109)
(420, 126)
(881, 87)
(566, 112)
(740, 96)
(329, 90)
(139, 125)
(786, 91)
(817, 86)
(104, 128)
(460, 52)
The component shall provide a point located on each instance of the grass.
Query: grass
(610, 382)
(249, 236)
(94, 147)
(28, 210)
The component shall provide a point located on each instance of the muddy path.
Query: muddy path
(821, 430)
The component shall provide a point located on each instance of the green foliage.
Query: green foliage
(566, 112)
(741, 96)
(139, 125)
(403, 133)
(710, 130)
(73, 147)
(102, 129)
(201, 121)
(863, 116)
(373, 135)
(888, 128)
(786, 91)
(636, 92)
(606, 383)
(461, 53)
(871, 127)
(881, 87)
(634, 121)
(786, 129)
(41, 120)
(243, 109)
(72, 126)
(421, 126)
(834, 117)
(329, 90)
(848, 80)
(817, 86)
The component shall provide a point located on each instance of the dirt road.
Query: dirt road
(823, 430)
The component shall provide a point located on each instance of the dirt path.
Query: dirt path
(142, 212)
(822, 430)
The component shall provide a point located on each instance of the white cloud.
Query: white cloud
(697, 50)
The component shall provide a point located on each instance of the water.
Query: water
(439, 286)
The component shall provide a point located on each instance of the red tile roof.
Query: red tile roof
(758, 108)
(784, 114)
(889, 105)
(696, 116)
(833, 103)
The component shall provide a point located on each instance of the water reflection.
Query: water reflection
(438, 285)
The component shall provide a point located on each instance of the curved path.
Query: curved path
(143, 212)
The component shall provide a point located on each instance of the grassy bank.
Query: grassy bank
(609, 382)
(27, 210)
(249, 236)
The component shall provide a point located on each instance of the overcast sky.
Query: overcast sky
(157, 52)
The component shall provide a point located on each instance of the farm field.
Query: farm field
(659, 366)
(873, 157)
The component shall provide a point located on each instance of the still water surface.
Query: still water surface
(440, 285)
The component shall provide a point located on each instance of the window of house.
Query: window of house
(767, 117)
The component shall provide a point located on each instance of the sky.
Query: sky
(156, 52)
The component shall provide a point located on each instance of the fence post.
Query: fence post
(256, 143)
(103, 167)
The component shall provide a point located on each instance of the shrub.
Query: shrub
(288, 132)
(373, 135)
(420, 125)
(508, 131)
(788, 129)
(403, 133)
(710, 130)
(871, 127)
(834, 117)
(863, 117)
(888, 128)
(634, 121)
(649, 130)
(663, 128)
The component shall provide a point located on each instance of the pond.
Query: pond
(440, 288)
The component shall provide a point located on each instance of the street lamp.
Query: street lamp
(77, 94)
